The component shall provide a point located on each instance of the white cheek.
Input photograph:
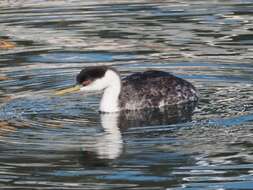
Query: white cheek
(96, 85)
(88, 88)
(82, 88)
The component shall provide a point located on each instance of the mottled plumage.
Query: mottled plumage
(155, 89)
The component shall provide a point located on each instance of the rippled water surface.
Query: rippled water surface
(62, 142)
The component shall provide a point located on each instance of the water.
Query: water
(50, 142)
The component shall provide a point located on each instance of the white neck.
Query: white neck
(111, 84)
(110, 98)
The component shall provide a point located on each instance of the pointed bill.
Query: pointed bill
(68, 90)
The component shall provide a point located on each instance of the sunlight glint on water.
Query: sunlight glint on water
(50, 142)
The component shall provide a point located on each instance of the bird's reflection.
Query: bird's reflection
(109, 145)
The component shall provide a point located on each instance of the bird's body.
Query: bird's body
(148, 89)
(155, 89)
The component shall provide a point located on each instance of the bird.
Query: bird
(141, 90)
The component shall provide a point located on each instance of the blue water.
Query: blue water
(62, 142)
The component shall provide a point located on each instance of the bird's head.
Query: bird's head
(94, 78)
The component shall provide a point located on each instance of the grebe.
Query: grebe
(148, 89)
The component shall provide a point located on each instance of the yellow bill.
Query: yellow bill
(68, 90)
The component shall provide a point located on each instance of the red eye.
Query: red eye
(86, 82)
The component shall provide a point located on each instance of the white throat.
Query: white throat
(111, 84)
(110, 98)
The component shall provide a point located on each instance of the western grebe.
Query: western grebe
(141, 90)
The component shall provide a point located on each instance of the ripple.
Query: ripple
(50, 142)
(79, 57)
